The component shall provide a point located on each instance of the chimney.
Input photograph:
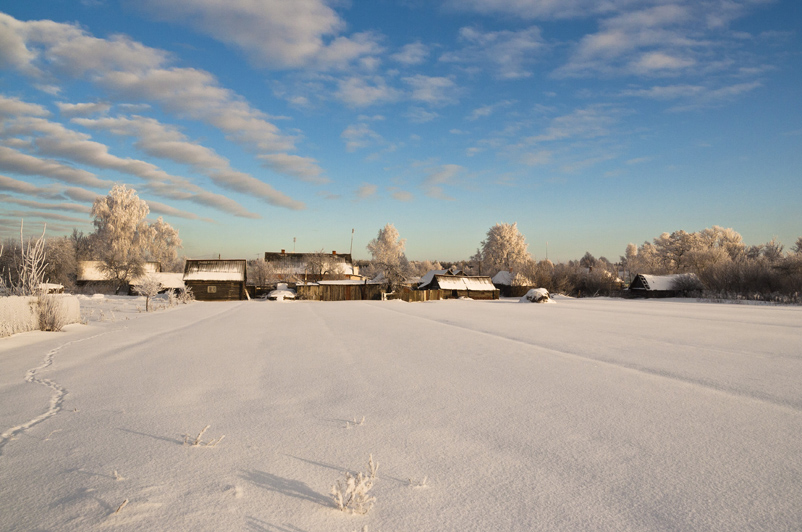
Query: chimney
(282, 252)
(333, 252)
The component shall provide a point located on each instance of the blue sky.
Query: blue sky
(247, 123)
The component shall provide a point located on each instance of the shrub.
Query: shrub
(53, 315)
(352, 495)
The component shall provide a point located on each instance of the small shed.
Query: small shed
(474, 287)
(216, 279)
(92, 277)
(654, 286)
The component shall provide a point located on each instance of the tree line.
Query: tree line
(123, 240)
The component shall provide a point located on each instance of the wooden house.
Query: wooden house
(216, 280)
(655, 286)
(456, 286)
(312, 267)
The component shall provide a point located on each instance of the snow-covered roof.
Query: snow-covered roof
(659, 282)
(449, 282)
(215, 270)
(429, 277)
(503, 277)
(167, 280)
(91, 270)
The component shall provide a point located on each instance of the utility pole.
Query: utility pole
(351, 251)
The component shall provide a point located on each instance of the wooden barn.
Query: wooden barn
(656, 286)
(456, 286)
(216, 280)
(339, 290)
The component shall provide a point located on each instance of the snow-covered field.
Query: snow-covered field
(591, 414)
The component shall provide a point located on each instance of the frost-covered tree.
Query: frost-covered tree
(505, 248)
(797, 248)
(162, 245)
(148, 286)
(123, 240)
(387, 256)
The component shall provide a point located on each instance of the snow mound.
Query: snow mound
(281, 293)
(536, 295)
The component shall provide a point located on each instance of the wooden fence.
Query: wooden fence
(339, 292)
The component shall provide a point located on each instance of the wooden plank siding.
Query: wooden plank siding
(217, 290)
(338, 292)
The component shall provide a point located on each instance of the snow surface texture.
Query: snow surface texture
(590, 414)
(21, 313)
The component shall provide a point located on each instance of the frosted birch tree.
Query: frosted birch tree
(388, 258)
(124, 240)
(505, 248)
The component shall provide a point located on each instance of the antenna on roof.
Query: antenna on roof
(293, 244)
(547, 251)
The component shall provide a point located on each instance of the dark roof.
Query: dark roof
(271, 256)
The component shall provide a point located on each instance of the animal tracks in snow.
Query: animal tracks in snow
(56, 399)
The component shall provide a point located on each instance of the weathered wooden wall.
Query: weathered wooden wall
(226, 290)
(339, 292)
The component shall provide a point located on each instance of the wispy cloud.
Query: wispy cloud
(273, 33)
(412, 54)
(438, 177)
(358, 136)
(506, 54)
(366, 191)
(487, 110)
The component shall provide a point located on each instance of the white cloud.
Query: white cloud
(11, 107)
(438, 177)
(432, 90)
(17, 162)
(358, 136)
(412, 54)
(304, 168)
(487, 110)
(693, 96)
(74, 207)
(401, 195)
(275, 33)
(590, 122)
(367, 190)
(134, 72)
(418, 115)
(507, 54)
(160, 140)
(82, 109)
(362, 92)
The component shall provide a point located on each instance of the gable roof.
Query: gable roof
(429, 277)
(645, 281)
(91, 270)
(475, 284)
(215, 270)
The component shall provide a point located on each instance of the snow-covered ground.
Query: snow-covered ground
(590, 414)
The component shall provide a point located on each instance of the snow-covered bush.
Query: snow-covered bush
(352, 495)
(53, 314)
(149, 286)
(185, 295)
(536, 295)
(17, 315)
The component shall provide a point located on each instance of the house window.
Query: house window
(211, 289)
